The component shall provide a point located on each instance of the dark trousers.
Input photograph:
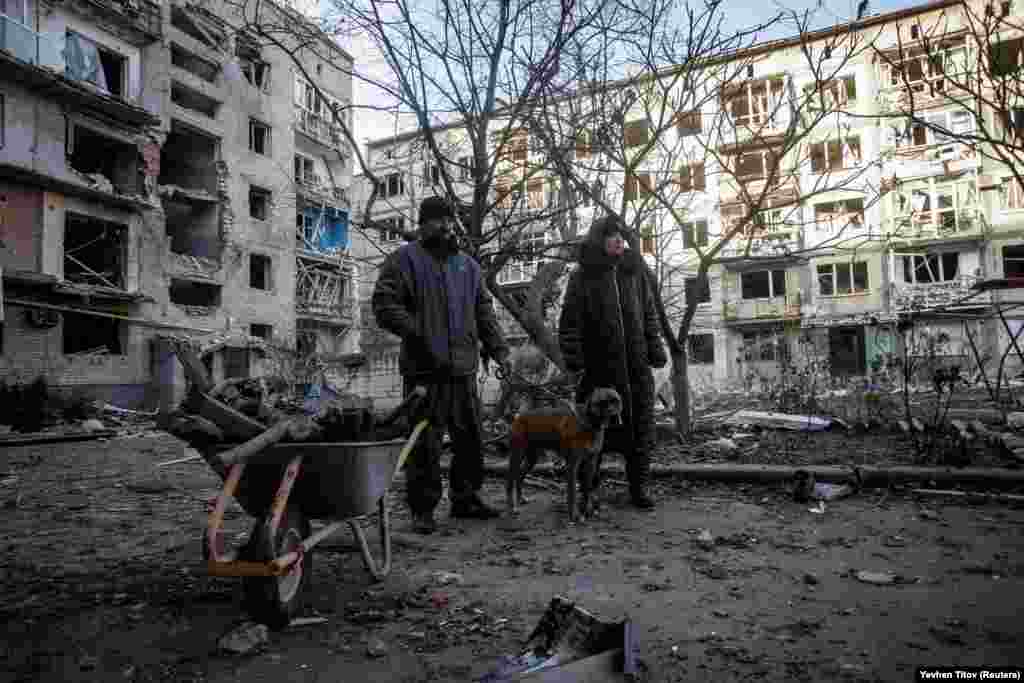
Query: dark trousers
(451, 404)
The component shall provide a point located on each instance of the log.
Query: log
(248, 450)
(970, 495)
(870, 476)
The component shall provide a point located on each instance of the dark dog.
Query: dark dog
(577, 434)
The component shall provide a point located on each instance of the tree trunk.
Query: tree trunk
(681, 392)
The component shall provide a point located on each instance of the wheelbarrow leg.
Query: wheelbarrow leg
(384, 524)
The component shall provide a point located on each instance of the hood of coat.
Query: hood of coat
(592, 252)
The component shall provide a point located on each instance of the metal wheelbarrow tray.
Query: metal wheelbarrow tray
(286, 486)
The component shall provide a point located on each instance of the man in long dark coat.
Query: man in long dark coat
(433, 297)
(609, 331)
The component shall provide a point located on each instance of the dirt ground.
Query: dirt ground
(102, 580)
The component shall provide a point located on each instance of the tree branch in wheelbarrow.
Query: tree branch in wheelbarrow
(298, 428)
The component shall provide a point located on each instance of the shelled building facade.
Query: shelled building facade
(158, 170)
(869, 219)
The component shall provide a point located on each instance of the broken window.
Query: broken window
(236, 362)
(305, 342)
(755, 102)
(695, 234)
(304, 174)
(320, 288)
(1011, 194)
(835, 155)
(89, 62)
(755, 164)
(837, 279)
(259, 203)
(834, 93)
(636, 133)
(835, 216)
(193, 100)
(94, 154)
(929, 268)
(393, 229)
(260, 272)
(763, 284)
(257, 72)
(392, 185)
(264, 332)
(323, 230)
(638, 186)
(691, 178)
(198, 294)
(259, 137)
(94, 251)
(1013, 123)
(1006, 58)
(1013, 261)
(697, 289)
(194, 64)
(702, 349)
(188, 159)
(432, 174)
(688, 123)
(466, 168)
(81, 334)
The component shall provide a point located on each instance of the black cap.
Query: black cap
(435, 207)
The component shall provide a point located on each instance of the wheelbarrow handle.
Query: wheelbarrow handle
(416, 394)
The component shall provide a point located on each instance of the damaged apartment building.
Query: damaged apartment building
(163, 175)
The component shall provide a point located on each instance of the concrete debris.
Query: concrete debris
(244, 638)
(1015, 420)
(101, 181)
(724, 444)
(376, 648)
(92, 425)
(799, 423)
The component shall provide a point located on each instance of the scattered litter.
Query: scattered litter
(705, 541)
(819, 509)
(376, 648)
(825, 491)
(307, 621)
(876, 578)
(92, 425)
(723, 444)
(244, 638)
(446, 578)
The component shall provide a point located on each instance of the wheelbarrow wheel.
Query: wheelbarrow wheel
(276, 600)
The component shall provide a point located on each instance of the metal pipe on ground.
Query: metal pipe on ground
(871, 476)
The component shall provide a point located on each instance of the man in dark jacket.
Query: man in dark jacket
(609, 330)
(433, 297)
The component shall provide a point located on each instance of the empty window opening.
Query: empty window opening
(82, 334)
(193, 100)
(261, 330)
(392, 185)
(304, 171)
(260, 272)
(702, 349)
(393, 228)
(1013, 261)
(930, 268)
(259, 203)
(183, 20)
(834, 216)
(698, 289)
(837, 279)
(199, 294)
(88, 62)
(695, 234)
(259, 137)
(764, 346)
(188, 159)
(94, 251)
(257, 72)
(763, 284)
(835, 155)
(305, 342)
(94, 154)
(237, 362)
(193, 226)
(194, 64)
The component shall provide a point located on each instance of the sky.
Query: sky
(373, 125)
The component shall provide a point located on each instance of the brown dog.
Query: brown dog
(577, 434)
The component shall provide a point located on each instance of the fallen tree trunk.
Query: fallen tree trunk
(870, 476)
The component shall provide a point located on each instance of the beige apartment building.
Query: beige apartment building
(162, 174)
(908, 222)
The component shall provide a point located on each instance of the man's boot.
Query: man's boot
(423, 523)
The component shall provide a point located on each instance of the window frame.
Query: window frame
(692, 235)
(254, 125)
(708, 344)
(851, 274)
(772, 284)
(267, 196)
(266, 267)
(704, 292)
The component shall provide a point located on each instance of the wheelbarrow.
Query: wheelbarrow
(342, 482)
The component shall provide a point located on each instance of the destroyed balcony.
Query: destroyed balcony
(320, 129)
(194, 268)
(776, 308)
(141, 18)
(955, 293)
(38, 61)
(323, 291)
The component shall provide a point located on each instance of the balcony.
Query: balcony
(320, 129)
(323, 292)
(141, 17)
(518, 272)
(339, 312)
(935, 295)
(30, 47)
(780, 307)
(194, 268)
